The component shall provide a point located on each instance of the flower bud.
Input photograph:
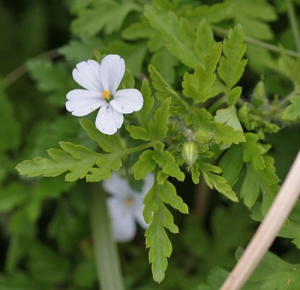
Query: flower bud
(259, 94)
(190, 153)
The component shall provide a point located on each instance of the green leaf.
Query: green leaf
(232, 61)
(211, 13)
(144, 113)
(179, 34)
(164, 91)
(274, 273)
(292, 112)
(144, 165)
(168, 163)
(198, 85)
(158, 126)
(46, 167)
(80, 50)
(75, 158)
(133, 53)
(109, 143)
(213, 180)
(137, 132)
(227, 135)
(204, 40)
(165, 63)
(88, 22)
(253, 151)
(250, 187)
(253, 18)
(260, 175)
(157, 214)
(168, 195)
(106, 164)
(231, 164)
(229, 117)
(51, 78)
(233, 95)
(290, 67)
(137, 30)
(84, 160)
(160, 248)
(195, 174)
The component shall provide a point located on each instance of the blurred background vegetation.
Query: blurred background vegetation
(44, 223)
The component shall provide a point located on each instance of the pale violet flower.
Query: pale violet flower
(101, 82)
(126, 206)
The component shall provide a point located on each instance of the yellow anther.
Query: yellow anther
(129, 201)
(106, 94)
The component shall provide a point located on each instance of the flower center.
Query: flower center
(129, 201)
(106, 95)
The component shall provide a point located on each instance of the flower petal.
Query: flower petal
(87, 74)
(127, 101)
(117, 186)
(123, 224)
(83, 102)
(112, 72)
(108, 120)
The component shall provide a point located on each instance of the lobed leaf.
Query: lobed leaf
(168, 195)
(144, 165)
(158, 126)
(254, 18)
(292, 112)
(213, 180)
(178, 33)
(253, 151)
(198, 85)
(158, 215)
(164, 91)
(108, 143)
(204, 40)
(144, 113)
(51, 78)
(113, 14)
(106, 164)
(229, 117)
(168, 163)
(74, 158)
(231, 164)
(232, 64)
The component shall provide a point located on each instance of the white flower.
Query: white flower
(101, 82)
(126, 206)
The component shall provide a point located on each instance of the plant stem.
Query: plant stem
(267, 231)
(256, 42)
(107, 260)
(293, 23)
(18, 72)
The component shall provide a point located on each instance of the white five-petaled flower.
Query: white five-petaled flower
(101, 82)
(126, 206)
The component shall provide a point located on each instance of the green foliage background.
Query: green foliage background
(210, 84)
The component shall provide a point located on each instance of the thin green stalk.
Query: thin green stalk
(293, 23)
(256, 42)
(107, 260)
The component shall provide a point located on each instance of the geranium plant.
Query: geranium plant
(171, 151)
